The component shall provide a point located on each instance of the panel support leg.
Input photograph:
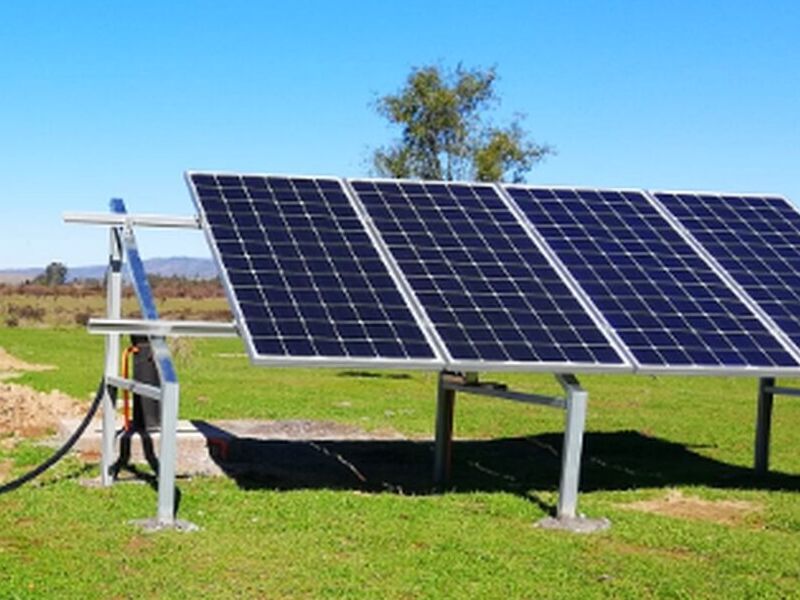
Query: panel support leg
(166, 515)
(445, 407)
(168, 455)
(575, 423)
(567, 517)
(113, 311)
(763, 425)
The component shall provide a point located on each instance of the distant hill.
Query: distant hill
(180, 266)
(18, 275)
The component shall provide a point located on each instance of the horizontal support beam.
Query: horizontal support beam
(136, 387)
(126, 220)
(483, 389)
(163, 328)
(782, 391)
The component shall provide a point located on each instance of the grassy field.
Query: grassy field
(649, 439)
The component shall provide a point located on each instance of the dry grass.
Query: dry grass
(72, 305)
(675, 504)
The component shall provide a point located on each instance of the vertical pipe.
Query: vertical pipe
(113, 311)
(763, 424)
(445, 406)
(575, 422)
(170, 394)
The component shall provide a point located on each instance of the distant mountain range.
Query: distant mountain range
(180, 266)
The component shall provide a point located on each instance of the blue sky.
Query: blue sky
(102, 99)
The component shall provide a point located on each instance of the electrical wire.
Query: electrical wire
(62, 451)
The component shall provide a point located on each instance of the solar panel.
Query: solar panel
(667, 304)
(489, 291)
(756, 239)
(303, 275)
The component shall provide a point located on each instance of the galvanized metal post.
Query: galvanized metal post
(763, 424)
(113, 311)
(445, 406)
(168, 454)
(575, 423)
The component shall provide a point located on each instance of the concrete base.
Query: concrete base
(153, 525)
(96, 482)
(203, 445)
(575, 525)
(194, 457)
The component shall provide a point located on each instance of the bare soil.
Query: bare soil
(726, 512)
(24, 412)
(27, 413)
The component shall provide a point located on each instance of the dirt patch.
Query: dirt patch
(24, 412)
(726, 512)
(12, 364)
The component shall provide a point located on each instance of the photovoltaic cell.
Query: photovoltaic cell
(303, 271)
(756, 239)
(489, 291)
(664, 301)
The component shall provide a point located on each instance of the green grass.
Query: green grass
(646, 436)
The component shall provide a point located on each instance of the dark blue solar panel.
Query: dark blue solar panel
(304, 273)
(665, 302)
(489, 291)
(756, 239)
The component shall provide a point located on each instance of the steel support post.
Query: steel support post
(445, 406)
(575, 423)
(763, 424)
(113, 311)
(170, 394)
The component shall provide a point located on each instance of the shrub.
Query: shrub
(82, 318)
(26, 311)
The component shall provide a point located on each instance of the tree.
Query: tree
(444, 132)
(54, 274)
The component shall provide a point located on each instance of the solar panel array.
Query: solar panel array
(488, 290)
(668, 305)
(480, 277)
(303, 273)
(756, 239)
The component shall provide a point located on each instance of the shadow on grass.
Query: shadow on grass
(611, 461)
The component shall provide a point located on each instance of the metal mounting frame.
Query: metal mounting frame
(162, 328)
(122, 245)
(128, 221)
(574, 403)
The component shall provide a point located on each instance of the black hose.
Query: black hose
(58, 454)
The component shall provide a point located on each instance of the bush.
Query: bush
(26, 311)
(82, 318)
